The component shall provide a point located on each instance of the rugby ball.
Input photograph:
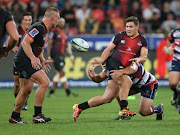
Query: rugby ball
(79, 44)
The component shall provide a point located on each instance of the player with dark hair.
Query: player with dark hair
(141, 83)
(57, 44)
(26, 22)
(128, 46)
(174, 74)
(7, 25)
(30, 61)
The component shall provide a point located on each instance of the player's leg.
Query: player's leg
(16, 85)
(147, 96)
(55, 82)
(110, 93)
(26, 88)
(64, 83)
(43, 82)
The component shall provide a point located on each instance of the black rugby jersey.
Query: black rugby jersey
(127, 48)
(59, 41)
(39, 33)
(5, 17)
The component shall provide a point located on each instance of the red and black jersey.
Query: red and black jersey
(21, 33)
(127, 47)
(5, 17)
(174, 37)
(59, 41)
(39, 33)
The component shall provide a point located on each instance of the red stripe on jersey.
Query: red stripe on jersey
(30, 36)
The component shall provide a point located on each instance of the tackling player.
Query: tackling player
(143, 82)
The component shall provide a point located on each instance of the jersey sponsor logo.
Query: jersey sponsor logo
(33, 32)
(139, 43)
(123, 41)
(129, 49)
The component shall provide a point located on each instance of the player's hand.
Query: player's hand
(136, 60)
(116, 73)
(35, 63)
(170, 51)
(90, 73)
(95, 63)
(15, 49)
(4, 52)
(45, 65)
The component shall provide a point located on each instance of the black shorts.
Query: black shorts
(24, 68)
(58, 62)
(15, 70)
(112, 64)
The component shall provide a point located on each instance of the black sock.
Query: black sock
(68, 92)
(37, 110)
(123, 104)
(83, 106)
(15, 115)
(51, 91)
(15, 95)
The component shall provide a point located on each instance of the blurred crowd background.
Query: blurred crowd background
(103, 16)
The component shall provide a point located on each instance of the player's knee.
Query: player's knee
(143, 112)
(46, 83)
(108, 99)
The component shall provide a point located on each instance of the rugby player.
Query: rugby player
(7, 25)
(57, 44)
(30, 61)
(174, 73)
(26, 22)
(127, 46)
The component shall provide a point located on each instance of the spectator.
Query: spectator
(89, 25)
(155, 23)
(170, 23)
(165, 10)
(174, 6)
(69, 15)
(94, 4)
(78, 3)
(135, 10)
(106, 27)
(82, 13)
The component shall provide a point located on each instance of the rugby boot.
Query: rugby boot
(77, 112)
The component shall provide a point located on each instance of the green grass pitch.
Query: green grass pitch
(94, 121)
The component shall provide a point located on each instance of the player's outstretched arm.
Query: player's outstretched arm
(97, 78)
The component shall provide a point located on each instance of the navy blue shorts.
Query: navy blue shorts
(149, 91)
(15, 71)
(175, 66)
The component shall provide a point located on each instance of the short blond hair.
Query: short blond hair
(50, 12)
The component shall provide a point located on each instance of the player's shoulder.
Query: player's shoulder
(120, 34)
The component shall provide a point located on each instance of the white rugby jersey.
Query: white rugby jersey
(174, 37)
(142, 77)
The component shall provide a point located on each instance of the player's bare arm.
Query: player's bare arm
(45, 63)
(142, 58)
(97, 78)
(13, 33)
(170, 48)
(127, 71)
(95, 63)
(69, 51)
(28, 51)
